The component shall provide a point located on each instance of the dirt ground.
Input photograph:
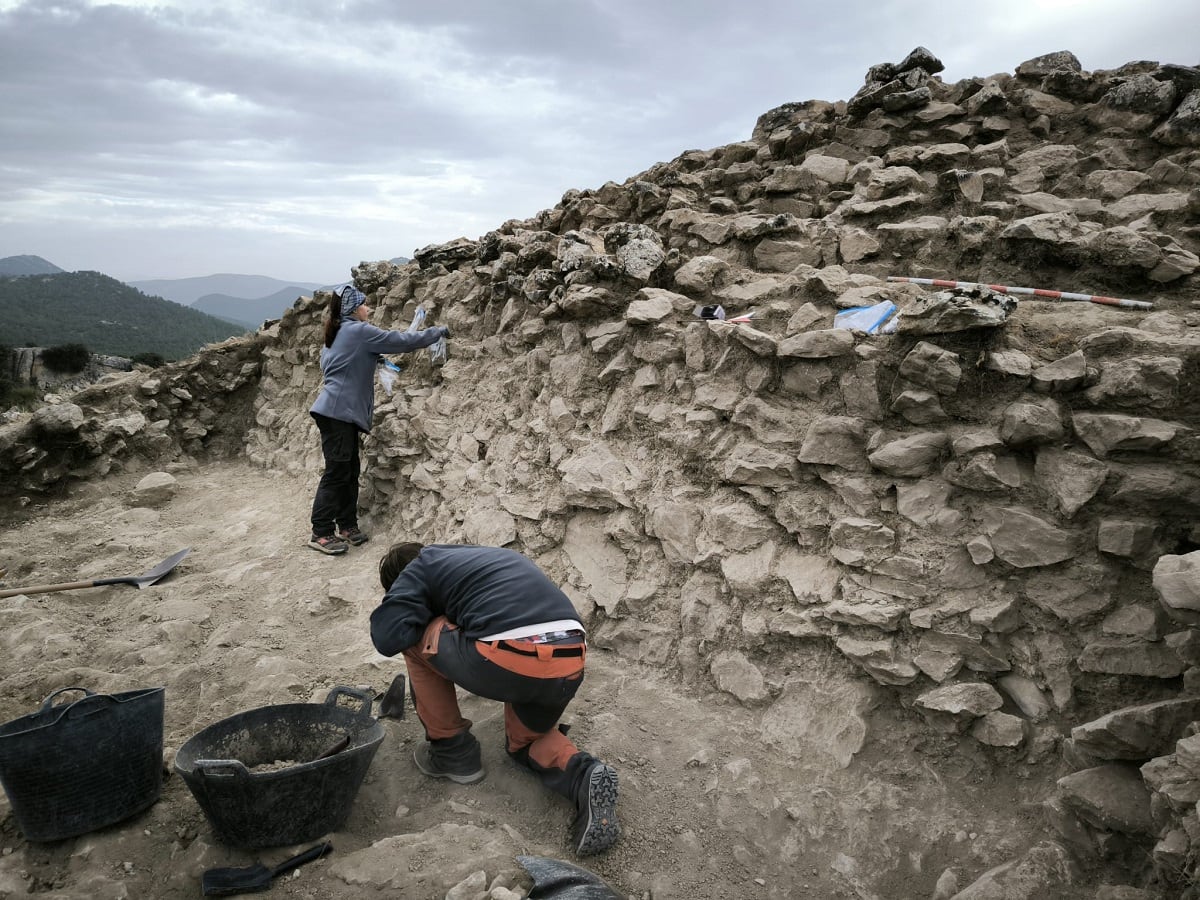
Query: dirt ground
(711, 804)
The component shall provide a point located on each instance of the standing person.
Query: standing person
(489, 620)
(344, 409)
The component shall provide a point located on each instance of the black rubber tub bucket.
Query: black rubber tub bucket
(259, 780)
(73, 768)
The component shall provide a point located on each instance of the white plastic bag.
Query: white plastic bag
(437, 352)
(387, 375)
(418, 320)
(867, 319)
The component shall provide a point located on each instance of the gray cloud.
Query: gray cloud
(296, 138)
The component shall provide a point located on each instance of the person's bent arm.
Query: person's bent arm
(400, 619)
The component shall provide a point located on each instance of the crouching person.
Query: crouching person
(489, 620)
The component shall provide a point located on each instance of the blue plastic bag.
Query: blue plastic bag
(875, 319)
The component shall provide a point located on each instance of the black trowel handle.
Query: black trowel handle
(301, 858)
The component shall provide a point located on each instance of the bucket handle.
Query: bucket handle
(364, 698)
(49, 701)
(221, 768)
(87, 705)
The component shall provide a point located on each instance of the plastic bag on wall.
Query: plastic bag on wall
(876, 319)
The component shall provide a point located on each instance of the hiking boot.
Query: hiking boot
(461, 767)
(353, 535)
(328, 543)
(596, 828)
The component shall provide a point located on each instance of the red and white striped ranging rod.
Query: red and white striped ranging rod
(1035, 292)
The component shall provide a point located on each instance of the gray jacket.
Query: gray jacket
(348, 368)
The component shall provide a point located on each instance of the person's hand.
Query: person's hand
(445, 332)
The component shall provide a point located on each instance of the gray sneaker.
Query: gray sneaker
(328, 543)
(428, 764)
(596, 828)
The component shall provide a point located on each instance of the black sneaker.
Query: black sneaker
(328, 543)
(428, 764)
(596, 828)
(353, 535)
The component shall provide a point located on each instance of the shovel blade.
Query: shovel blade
(228, 881)
(161, 569)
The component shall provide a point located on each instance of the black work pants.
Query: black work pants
(336, 503)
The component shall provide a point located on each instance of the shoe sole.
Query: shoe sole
(473, 778)
(602, 829)
(336, 551)
(354, 543)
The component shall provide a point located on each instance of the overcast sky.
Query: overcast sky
(295, 138)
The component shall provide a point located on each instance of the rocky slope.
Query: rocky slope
(989, 512)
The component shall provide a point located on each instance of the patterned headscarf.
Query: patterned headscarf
(352, 299)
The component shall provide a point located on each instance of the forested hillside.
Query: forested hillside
(103, 314)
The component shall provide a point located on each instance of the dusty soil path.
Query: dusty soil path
(716, 800)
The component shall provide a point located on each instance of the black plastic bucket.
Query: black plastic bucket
(73, 768)
(292, 804)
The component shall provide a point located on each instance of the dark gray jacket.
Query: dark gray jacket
(348, 367)
(482, 590)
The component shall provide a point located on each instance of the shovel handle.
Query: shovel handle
(301, 858)
(48, 588)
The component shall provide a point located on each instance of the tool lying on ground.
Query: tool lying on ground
(391, 704)
(1034, 292)
(139, 581)
(228, 880)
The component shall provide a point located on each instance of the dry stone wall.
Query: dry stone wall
(991, 512)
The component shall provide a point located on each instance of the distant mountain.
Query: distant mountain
(104, 315)
(27, 265)
(247, 287)
(250, 312)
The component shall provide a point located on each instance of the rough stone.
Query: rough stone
(1024, 540)
(1071, 478)
(1105, 433)
(1112, 796)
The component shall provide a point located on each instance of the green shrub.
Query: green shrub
(66, 359)
(153, 360)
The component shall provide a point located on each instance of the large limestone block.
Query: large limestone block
(1028, 422)
(812, 579)
(919, 407)
(155, 489)
(754, 465)
(1064, 374)
(1071, 478)
(836, 441)
(1025, 540)
(963, 702)
(596, 478)
(1108, 432)
(1151, 659)
(1139, 382)
(817, 720)
(987, 471)
(1113, 797)
(737, 675)
(998, 729)
(676, 526)
(1177, 581)
(879, 659)
(702, 273)
(912, 456)
(929, 366)
(1046, 870)
(1137, 732)
(1182, 129)
(927, 503)
(651, 309)
(58, 419)
(824, 344)
(1129, 538)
